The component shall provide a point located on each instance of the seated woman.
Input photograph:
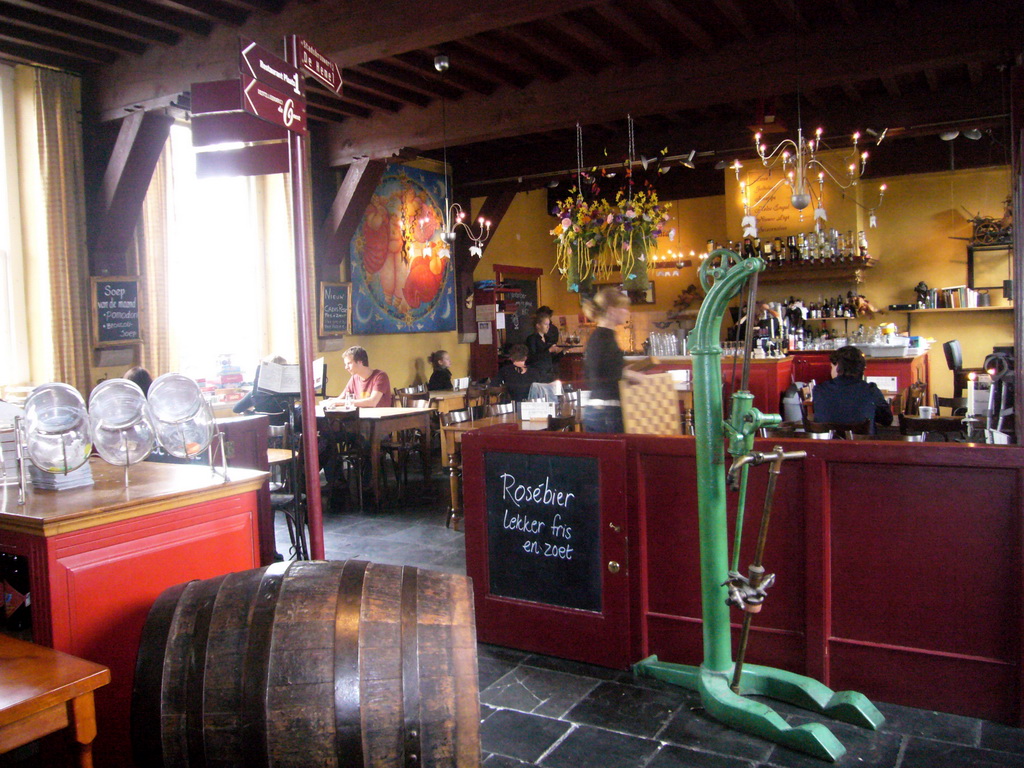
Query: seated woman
(514, 374)
(140, 376)
(441, 378)
(847, 398)
(257, 401)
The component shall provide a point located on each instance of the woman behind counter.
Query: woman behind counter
(544, 351)
(603, 363)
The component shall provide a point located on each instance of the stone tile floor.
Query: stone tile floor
(553, 713)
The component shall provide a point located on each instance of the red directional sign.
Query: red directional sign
(259, 63)
(274, 106)
(318, 66)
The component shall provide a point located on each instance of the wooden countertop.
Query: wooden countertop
(154, 487)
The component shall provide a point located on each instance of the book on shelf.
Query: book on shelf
(957, 297)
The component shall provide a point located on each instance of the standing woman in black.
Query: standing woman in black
(603, 362)
(543, 353)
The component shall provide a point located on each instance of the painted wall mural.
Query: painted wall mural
(402, 277)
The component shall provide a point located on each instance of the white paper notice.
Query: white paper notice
(531, 409)
(483, 333)
(283, 379)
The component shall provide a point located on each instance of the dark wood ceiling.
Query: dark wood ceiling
(694, 75)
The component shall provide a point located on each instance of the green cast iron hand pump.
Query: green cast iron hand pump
(723, 275)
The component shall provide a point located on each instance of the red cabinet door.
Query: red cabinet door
(546, 543)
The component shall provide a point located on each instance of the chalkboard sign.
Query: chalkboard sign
(543, 528)
(520, 306)
(115, 311)
(335, 309)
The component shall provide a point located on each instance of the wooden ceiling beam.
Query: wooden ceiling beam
(791, 13)
(33, 55)
(347, 210)
(542, 48)
(213, 11)
(354, 94)
(460, 77)
(91, 15)
(847, 12)
(485, 64)
(586, 39)
(407, 78)
(626, 25)
(736, 17)
(75, 31)
(532, 61)
(60, 45)
(686, 26)
(945, 37)
(384, 88)
(164, 15)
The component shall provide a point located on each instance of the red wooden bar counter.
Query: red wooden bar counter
(899, 565)
(99, 556)
(769, 377)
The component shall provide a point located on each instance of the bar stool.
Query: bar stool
(287, 496)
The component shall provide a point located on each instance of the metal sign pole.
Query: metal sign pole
(297, 159)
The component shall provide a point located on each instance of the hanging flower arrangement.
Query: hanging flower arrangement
(634, 226)
(592, 239)
(580, 236)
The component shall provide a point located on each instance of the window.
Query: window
(230, 267)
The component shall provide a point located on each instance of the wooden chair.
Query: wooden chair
(957, 405)
(345, 461)
(914, 397)
(476, 394)
(561, 423)
(836, 430)
(454, 461)
(495, 395)
(941, 425)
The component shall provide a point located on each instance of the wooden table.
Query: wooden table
(43, 691)
(445, 400)
(374, 423)
(451, 438)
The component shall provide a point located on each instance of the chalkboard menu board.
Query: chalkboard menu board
(335, 308)
(115, 311)
(543, 528)
(520, 306)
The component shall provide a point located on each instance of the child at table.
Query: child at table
(441, 378)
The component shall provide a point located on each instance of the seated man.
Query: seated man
(514, 374)
(369, 387)
(847, 398)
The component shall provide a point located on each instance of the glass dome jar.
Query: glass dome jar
(182, 418)
(57, 428)
(120, 427)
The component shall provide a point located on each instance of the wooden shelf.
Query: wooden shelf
(1008, 308)
(785, 272)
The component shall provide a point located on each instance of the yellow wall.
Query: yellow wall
(920, 216)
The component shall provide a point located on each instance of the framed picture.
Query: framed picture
(635, 297)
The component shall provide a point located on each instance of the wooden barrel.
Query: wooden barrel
(345, 664)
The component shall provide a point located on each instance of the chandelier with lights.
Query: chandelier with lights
(800, 163)
(454, 215)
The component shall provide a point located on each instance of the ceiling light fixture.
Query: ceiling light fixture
(454, 215)
(688, 161)
(972, 133)
(798, 160)
(949, 135)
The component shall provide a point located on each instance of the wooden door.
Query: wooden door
(546, 543)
